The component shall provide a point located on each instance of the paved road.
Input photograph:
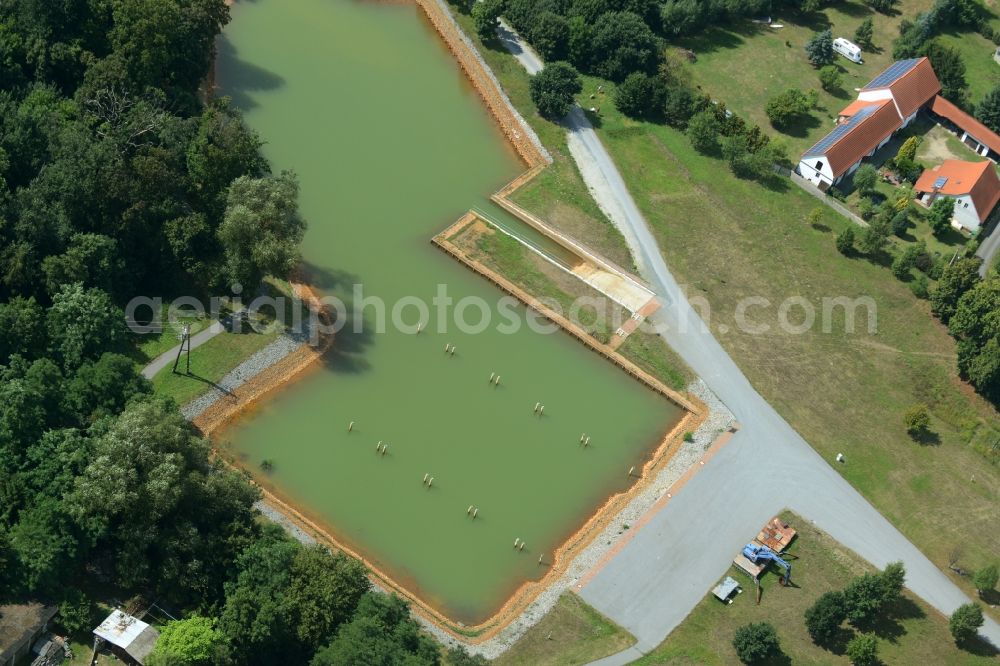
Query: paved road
(672, 562)
(167, 357)
(988, 248)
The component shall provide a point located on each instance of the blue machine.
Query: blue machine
(757, 554)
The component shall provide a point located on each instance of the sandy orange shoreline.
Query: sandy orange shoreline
(294, 366)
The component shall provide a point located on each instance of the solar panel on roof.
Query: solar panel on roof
(940, 181)
(894, 72)
(840, 131)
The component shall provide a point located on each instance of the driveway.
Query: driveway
(667, 567)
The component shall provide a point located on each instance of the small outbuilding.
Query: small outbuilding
(127, 637)
(974, 186)
(20, 627)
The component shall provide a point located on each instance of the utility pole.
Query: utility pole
(185, 343)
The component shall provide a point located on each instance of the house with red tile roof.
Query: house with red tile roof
(974, 186)
(887, 104)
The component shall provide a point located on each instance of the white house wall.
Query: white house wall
(807, 167)
(965, 213)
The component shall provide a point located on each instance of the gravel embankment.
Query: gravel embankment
(265, 358)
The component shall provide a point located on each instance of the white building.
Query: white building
(887, 104)
(974, 186)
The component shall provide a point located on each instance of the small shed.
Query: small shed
(128, 637)
(20, 626)
(725, 590)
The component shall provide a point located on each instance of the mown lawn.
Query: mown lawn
(209, 364)
(910, 633)
(216, 358)
(571, 633)
(982, 72)
(727, 239)
(845, 392)
(746, 64)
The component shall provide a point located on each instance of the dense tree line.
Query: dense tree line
(118, 179)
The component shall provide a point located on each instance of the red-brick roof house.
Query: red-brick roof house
(887, 104)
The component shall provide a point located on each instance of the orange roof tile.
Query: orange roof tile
(981, 132)
(854, 139)
(856, 106)
(912, 84)
(915, 88)
(977, 179)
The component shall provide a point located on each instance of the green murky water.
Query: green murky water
(391, 146)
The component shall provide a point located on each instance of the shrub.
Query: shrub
(756, 642)
(865, 178)
(641, 96)
(882, 6)
(864, 34)
(829, 78)
(863, 650)
(940, 214)
(74, 612)
(789, 106)
(920, 287)
(900, 222)
(986, 578)
(815, 216)
(823, 618)
(965, 622)
(845, 241)
(917, 419)
(703, 132)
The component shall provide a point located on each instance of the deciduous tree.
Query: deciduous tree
(824, 617)
(756, 642)
(553, 89)
(262, 228)
(965, 622)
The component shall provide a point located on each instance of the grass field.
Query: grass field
(910, 633)
(982, 72)
(746, 64)
(216, 358)
(571, 633)
(727, 239)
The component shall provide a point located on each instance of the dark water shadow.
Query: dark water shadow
(238, 78)
(353, 336)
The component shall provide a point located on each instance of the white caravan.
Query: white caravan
(848, 49)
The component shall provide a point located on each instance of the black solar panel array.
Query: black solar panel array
(889, 76)
(840, 131)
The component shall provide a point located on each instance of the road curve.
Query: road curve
(651, 585)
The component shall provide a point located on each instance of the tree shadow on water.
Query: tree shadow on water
(353, 336)
(238, 78)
